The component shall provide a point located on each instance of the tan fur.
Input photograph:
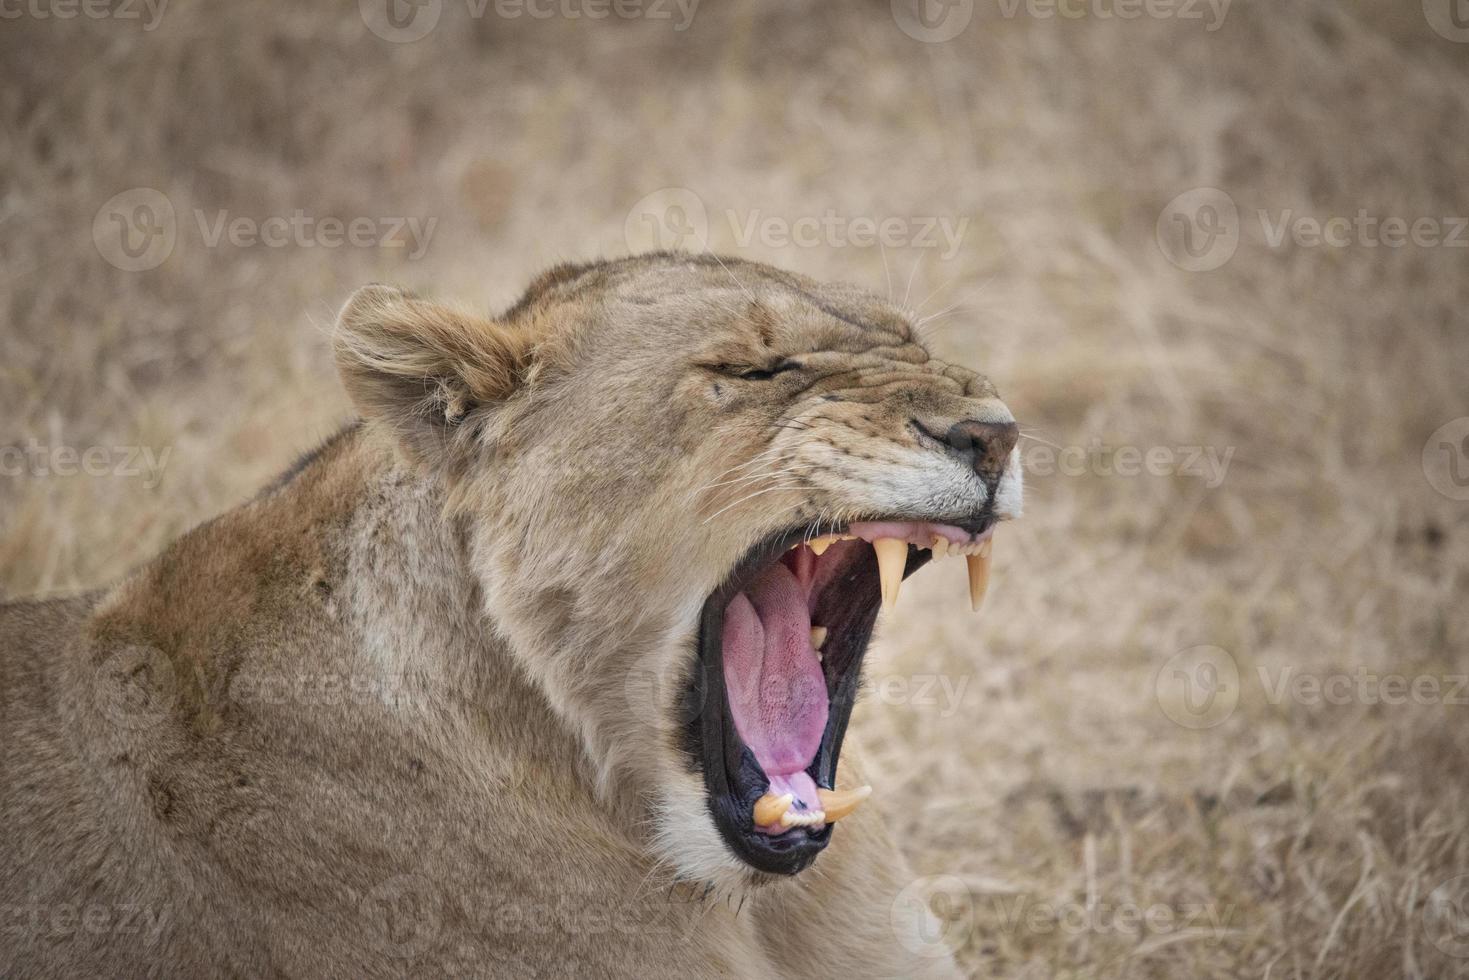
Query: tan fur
(412, 710)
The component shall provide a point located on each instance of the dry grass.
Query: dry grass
(1289, 839)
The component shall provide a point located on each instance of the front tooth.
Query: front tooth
(808, 819)
(818, 637)
(770, 808)
(979, 574)
(836, 805)
(892, 556)
(940, 546)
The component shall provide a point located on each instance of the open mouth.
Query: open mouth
(780, 655)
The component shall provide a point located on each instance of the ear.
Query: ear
(422, 369)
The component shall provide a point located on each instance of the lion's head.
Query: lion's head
(689, 485)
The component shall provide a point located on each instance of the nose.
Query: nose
(985, 446)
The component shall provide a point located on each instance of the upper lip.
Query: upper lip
(733, 780)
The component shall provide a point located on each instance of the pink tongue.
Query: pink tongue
(774, 683)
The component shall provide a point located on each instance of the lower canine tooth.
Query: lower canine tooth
(836, 805)
(892, 556)
(770, 808)
(979, 574)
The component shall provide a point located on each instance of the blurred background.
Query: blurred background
(1213, 720)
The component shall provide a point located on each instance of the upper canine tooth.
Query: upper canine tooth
(892, 556)
(818, 637)
(836, 804)
(979, 574)
(770, 808)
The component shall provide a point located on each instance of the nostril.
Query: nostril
(986, 445)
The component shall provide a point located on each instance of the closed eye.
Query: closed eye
(747, 373)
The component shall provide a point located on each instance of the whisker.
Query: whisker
(763, 474)
(768, 451)
(952, 307)
(750, 295)
(760, 457)
(886, 273)
(911, 273)
(932, 293)
(793, 486)
(1043, 442)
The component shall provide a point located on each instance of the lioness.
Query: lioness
(541, 669)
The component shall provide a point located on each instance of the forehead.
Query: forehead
(697, 301)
